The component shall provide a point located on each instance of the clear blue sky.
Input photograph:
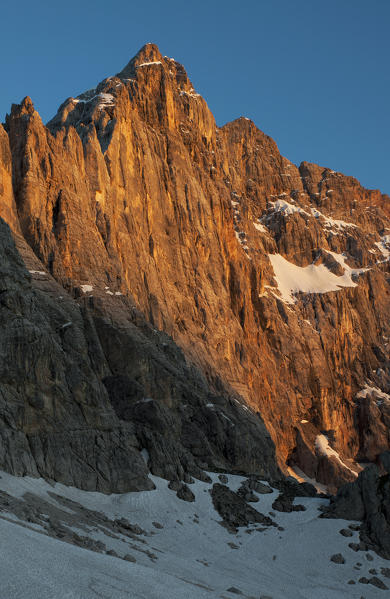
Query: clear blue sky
(313, 74)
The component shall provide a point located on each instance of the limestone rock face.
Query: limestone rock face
(272, 280)
(7, 202)
(77, 382)
(368, 499)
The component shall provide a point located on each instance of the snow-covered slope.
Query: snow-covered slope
(293, 279)
(181, 552)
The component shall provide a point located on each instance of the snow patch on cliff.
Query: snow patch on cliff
(147, 64)
(103, 99)
(301, 477)
(384, 246)
(292, 279)
(370, 391)
(260, 228)
(192, 93)
(323, 448)
(286, 208)
(86, 288)
(330, 222)
(342, 260)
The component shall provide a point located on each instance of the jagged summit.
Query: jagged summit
(156, 86)
(148, 54)
(25, 107)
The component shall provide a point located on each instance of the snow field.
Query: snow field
(194, 558)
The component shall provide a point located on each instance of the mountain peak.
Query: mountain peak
(149, 53)
(25, 107)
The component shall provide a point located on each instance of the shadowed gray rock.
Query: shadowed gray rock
(234, 510)
(368, 500)
(84, 388)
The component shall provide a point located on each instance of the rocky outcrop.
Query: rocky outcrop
(271, 279)
(368, 500)
(234, 510)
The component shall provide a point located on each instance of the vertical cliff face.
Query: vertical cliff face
(272, 279)
(7, 201)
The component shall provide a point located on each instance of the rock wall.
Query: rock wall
(367, 499)
(272, 279)
(91, 395)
